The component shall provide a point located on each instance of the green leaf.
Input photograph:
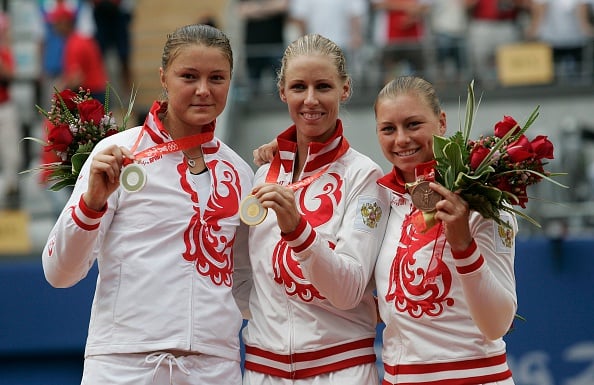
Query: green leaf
(439, 142)
(456, 165)
(470, 107)
(533, 116)
(36, 140)
(522, 215)
(464, 181)
(63, 183)
(78, 160)
(130, 108)
(42, 111)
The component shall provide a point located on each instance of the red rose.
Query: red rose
(520, 150)
(518, 190)
(542, 147)
(477, 155)
(504, 126)
(91, 110)
(502, 184)
(68, 97)
(111, 131)
(59, 137)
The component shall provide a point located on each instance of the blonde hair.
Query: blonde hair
(312, 44)
(410, 84)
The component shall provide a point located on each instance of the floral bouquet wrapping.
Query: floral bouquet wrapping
(492, 173)
(75, 124)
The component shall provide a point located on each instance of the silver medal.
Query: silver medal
(132, 178)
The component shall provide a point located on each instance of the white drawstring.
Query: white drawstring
(158, 357)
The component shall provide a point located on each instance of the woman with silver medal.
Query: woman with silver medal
(157, 208)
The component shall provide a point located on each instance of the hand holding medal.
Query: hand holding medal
(251, 211)
(133, 176)
(281, 199)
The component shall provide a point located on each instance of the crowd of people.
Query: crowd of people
(443, 40)
(74, 39)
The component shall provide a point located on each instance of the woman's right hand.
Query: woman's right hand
(281, 199)
(104, 175)
(265, 153)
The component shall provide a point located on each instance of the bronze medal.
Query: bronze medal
(423, 197)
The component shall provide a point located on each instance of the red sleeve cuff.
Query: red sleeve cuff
(469, 260)
(302, 237)
(295, 233)
(89, 212)
(465, 253)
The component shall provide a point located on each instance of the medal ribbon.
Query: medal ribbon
(422, 172)
(275, 166)
(424, 221)
(168, 147)
(436, 256)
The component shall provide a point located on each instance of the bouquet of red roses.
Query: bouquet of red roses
(75, 124)
(492, 173)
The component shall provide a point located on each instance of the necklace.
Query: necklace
(191, 161)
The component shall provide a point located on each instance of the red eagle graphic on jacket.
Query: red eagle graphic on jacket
(411, 287)
(205, 241)
(317, 205)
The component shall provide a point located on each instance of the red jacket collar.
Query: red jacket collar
(319, 154)
(395, 181)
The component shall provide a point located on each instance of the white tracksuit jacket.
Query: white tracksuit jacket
(312, 308)
(432, 332)
(165, 266)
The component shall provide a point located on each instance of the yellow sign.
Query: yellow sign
(525, 64)
(14, 232)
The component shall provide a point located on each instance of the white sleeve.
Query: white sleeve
(74, 242)
(487, 274)
(342, 272)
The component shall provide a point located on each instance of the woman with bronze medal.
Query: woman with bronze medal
(157, 207)
(312, 310)
(445, 274)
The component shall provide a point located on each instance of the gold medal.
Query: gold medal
(251, 211)
(423, 197)
(132, 178)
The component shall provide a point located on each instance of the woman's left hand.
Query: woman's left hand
(454, 213)
(265, 153)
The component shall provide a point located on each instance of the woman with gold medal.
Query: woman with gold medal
(313, 315)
